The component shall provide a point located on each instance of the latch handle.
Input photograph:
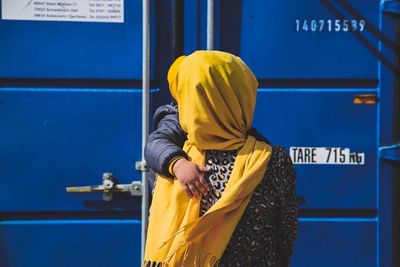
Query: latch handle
(109, 187)
(85, 189)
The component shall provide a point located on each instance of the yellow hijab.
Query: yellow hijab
(216, 95)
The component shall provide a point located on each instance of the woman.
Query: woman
(216, 95)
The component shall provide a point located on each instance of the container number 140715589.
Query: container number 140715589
(329, 25)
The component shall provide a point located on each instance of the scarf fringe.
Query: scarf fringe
(182, 229)
(191, 258)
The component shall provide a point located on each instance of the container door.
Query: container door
(318, 68)
(70, 110)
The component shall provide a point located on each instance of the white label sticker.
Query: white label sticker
(64, 10)
(326, 155)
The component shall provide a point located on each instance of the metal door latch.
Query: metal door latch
(390, 152)
(109, 187)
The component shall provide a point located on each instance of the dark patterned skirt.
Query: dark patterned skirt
(266, 233)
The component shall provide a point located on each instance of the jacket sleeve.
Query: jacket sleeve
(288, 217)
(166, 142)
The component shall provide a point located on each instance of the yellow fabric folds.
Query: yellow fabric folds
(216, 94)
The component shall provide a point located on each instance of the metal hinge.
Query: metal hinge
(141, 166)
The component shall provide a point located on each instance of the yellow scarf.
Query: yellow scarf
(216, 94)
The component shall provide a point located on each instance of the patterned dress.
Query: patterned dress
(266, 233)
(221, 164)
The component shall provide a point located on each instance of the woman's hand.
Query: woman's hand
(191, 177)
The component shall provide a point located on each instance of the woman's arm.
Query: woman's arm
(164, 155)
(166, 142)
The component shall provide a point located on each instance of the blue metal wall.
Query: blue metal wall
(389, 119)
(42, 49)
(52, 138)
(70, 106)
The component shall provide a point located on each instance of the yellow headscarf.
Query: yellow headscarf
(216, 94)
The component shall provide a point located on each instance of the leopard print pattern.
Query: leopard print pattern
(266, 233)
(221, 164)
